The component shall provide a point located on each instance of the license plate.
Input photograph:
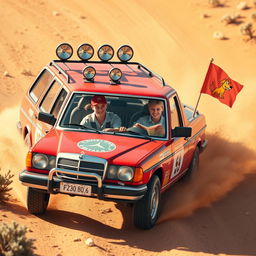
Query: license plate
(76, 189)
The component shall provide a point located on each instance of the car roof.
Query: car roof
(136, 78)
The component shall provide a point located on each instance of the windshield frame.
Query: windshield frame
(165, 138)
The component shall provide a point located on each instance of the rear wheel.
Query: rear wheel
(146, 210)
(37, 201)
(194, 164)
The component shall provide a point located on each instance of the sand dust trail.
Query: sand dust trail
(222, 166)
(12, 148)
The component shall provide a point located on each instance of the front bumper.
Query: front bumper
(51, 184)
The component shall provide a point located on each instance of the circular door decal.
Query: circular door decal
(96, 145)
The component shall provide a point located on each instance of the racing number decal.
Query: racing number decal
(177, 162)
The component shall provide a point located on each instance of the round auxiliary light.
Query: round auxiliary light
(89, 73)
(85, 51)
(125, 53)
(115, 74)
(105, 52)
(64, 51)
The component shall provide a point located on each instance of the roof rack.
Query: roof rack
(151, 73)
(63, 72)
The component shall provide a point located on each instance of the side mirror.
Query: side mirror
(182, 132)
(46, 118)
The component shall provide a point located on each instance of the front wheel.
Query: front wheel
(37, 201)
(146, 210)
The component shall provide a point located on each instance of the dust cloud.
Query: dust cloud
(12, 148)
(223, 165)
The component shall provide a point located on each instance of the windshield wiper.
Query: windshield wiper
(84, 127)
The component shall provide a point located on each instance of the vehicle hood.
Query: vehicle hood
(114, 148)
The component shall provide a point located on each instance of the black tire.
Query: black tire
(37, 201)
(146, 210)
(193, 167)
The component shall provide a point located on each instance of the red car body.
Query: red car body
(165, 158)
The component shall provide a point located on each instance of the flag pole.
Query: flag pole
(200, 94)
(197, 104)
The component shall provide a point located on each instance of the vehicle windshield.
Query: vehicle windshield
(128, 116)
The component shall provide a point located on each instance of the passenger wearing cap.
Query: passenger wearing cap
(100, 119)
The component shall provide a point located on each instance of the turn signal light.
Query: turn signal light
(138, 174)
(29, 160)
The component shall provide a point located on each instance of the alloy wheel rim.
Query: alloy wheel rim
(154, 202)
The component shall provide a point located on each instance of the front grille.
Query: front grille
(80, 166)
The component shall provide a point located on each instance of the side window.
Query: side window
(58, 103)
(40, 85)
(176, 119)
(50, 97)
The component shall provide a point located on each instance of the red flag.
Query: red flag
(219, 85)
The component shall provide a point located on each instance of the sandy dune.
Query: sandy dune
(214, 214)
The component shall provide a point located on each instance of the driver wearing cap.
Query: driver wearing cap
(100, 119)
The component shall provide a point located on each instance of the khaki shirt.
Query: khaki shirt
(112, 120)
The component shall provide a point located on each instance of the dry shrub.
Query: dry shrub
(13, 241)
(253, 16)
(254, 3)
(230, 19)
(5, 182)
(247, 30)
(242, 6)
(215, 3)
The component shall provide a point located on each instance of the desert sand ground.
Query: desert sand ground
(214, 214)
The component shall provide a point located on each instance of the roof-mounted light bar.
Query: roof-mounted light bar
(64, 51)
(85, 51)
(115, 75)
(125, 53)
(105, 52)
(89, 73)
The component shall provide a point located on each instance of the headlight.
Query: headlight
(112, 172)
(52, 162)
(42, 161)
(125, 173)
